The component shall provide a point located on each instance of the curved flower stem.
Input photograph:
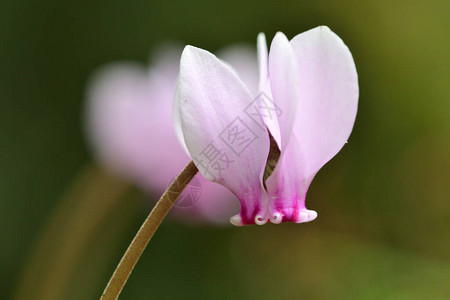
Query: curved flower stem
(145, 233)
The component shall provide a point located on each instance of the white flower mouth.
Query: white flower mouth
(260, 220)
(277, 218)
(272, 158)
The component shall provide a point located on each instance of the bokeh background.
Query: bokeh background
(383, 202)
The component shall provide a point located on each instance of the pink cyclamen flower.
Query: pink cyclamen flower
(129, 127)
(302, 114)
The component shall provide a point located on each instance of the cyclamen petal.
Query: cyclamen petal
(284, 83)
(327, 103)
(283, 185)
(329, 95)
(212, 100)
(128, 113)
(327, 110)
(269, 117)
(312, 80)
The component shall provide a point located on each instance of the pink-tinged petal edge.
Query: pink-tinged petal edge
(212, 101)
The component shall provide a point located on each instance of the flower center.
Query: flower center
(272, 159)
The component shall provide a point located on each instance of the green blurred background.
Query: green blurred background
(383, 202)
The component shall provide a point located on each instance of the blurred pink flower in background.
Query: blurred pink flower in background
(306, 100)
(128, 121)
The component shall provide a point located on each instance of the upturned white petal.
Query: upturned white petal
(226, 145)
(285, 84)
(328, 95)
